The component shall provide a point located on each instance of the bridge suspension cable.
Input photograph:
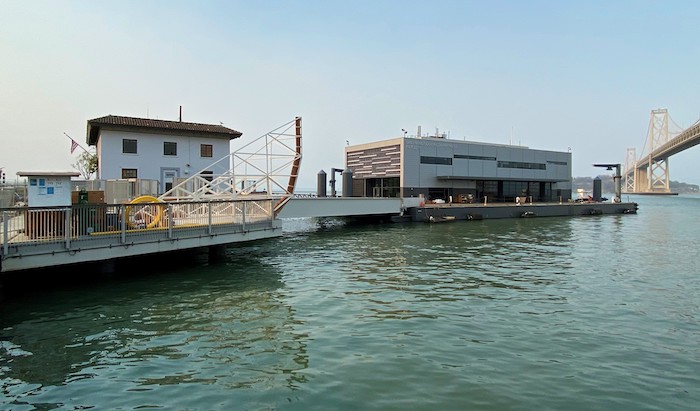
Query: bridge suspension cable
(650, 171)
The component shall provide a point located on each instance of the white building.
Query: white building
(161, 150)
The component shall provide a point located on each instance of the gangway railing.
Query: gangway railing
(32, 230)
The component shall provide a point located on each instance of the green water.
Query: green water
(599, 312)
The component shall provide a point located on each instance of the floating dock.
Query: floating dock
(455, 212)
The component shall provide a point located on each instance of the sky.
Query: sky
(551, 75)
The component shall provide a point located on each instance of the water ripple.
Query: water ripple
(556, 313)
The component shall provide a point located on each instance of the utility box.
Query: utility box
(87, 197)
(48, 189)
(90, 215)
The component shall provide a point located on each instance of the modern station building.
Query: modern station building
(458, 171)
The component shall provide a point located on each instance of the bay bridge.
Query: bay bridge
(649, 173)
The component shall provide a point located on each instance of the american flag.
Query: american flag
(73, 145)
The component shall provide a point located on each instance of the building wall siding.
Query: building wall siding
(150, 160)
(470, 162)
(375, 162)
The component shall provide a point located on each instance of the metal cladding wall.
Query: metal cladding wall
(375, 162)
(428, 164)
(479, 161)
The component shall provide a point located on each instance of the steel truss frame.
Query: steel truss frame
(658, 136)
(265, 168)
(631, 170)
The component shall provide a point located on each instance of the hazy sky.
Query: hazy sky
(550, 75)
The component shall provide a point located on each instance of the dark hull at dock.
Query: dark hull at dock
(456, 212)
(652, 193)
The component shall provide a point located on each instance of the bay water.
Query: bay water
(599, 312)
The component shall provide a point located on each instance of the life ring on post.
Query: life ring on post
(147, 215)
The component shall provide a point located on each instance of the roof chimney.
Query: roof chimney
(180, 114)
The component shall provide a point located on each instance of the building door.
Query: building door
(168, 177)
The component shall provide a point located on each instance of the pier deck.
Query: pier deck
(54, 236)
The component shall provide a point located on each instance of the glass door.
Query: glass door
(167, 178)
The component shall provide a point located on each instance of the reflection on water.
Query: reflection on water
(219, 325)
(594, 312)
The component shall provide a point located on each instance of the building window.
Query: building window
(521, 165)
(128, 146)
(468, 157)
(169, 149)
(206, 150)
(129, 173)
(559, 163)
(383, 187)
(436, 160)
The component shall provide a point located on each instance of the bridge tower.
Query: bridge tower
(631, 170)
(657, 173)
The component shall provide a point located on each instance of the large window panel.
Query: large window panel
(169, 148)
(436, 160)
(129, 146)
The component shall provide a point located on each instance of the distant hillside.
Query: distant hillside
(608, 185)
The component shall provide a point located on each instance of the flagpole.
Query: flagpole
(73, 141)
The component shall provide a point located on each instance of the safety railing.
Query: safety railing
(101, 225)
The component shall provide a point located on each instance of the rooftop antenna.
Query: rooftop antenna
(180, 114)
(511, 135)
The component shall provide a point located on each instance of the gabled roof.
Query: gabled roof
(143, 125)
